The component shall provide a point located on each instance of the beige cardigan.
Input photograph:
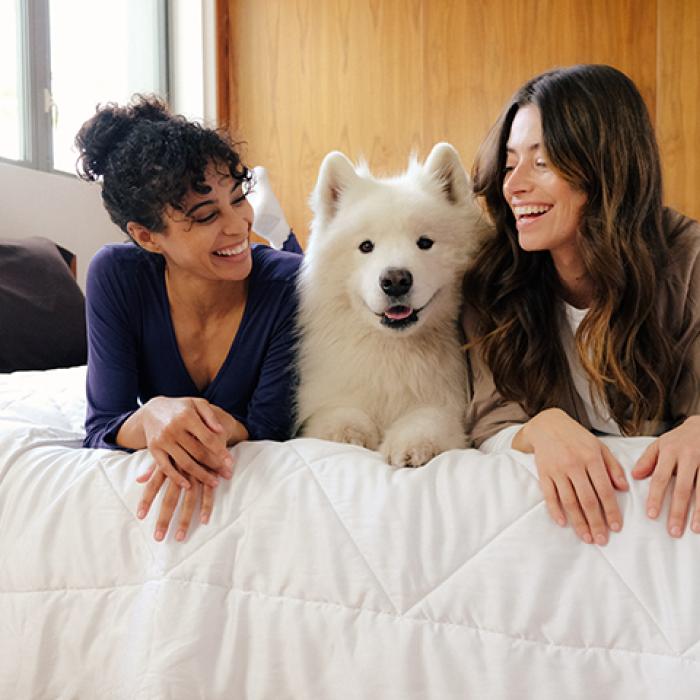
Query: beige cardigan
(489, 412)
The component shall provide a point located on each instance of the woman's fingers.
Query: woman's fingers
(164, 464)
(617, 473)
(570, 504)
(646, 463)
(170, 502)
(188, 503)
(590, 505)
(686, 474)
(695, 527)
(659, 481)
(186, 463)
(207, 504)
(149, 493)
(208, 430)
(600, 478)
(204, 456)
(167, 508)
(551, 499)
(143, 478)
(208, 416)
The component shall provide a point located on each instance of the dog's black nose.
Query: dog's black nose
(395, 282)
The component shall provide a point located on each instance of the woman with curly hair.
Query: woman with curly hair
(583, 311)
(190, 328)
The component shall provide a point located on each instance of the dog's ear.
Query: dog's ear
(335, 176)
(443, 164)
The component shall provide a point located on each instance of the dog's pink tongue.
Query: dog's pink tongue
(398, 313)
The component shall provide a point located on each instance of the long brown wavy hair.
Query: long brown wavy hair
(598, 136)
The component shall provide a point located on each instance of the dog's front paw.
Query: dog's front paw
(409, 454)
(414, 439)
(347, 425)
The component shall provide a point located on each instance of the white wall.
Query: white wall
(59, 207)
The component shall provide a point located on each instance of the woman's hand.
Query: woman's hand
(170, 501)
(677, 451)
(578, 474)
(184, 436)
(230, 432)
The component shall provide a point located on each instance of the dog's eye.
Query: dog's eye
(366, 246)
(425, 243)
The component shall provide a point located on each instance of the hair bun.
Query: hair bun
(110, 126)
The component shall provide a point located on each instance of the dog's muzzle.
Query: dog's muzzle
(396, 283)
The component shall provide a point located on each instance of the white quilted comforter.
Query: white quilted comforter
(324, 574)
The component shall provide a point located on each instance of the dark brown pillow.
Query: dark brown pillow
(42, 309)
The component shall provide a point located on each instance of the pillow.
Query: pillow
(42, 309)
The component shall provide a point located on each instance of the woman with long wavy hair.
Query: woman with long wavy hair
(582, 313)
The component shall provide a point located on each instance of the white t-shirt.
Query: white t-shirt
(598, 414)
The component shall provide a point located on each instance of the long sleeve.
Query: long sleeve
(685, 398)
(270, 411)
(488, 412)
(112, 376)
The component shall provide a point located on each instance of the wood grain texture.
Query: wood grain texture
(678, 112)
(478, 54)
(381, 78)
(320, 76)
(223, 63)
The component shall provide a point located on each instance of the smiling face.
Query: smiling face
(209, 238)
(547, 208)
(398, 262)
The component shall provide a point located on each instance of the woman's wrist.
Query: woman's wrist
(234, 430)
(526, 438)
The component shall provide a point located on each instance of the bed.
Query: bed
(323, 573)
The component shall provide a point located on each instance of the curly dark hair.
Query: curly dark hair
(148, 158)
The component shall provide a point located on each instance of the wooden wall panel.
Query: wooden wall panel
(380, 78)
(479, 53)
(678, 102)
(317, 76)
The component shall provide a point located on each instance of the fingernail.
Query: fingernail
(226, 473)
(204, 519)
(601, 539)
(159, 535)
(141, 512)
(561, 522)
(228, 461)
(587, 538)
(186, 484)
(180, 535)
(652, 512)
(676, 531)
(696, 526)
(615, 527)
(213, 483)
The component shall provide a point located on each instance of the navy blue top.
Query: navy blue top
(133, 353)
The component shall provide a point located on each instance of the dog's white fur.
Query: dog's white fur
(400, 390)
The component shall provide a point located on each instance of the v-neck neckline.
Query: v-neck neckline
(208, 390)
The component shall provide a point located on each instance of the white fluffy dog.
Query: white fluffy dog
(381, 363)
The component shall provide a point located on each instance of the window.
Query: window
(10, 82)
(64, 58)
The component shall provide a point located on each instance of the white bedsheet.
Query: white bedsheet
(324, 574)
